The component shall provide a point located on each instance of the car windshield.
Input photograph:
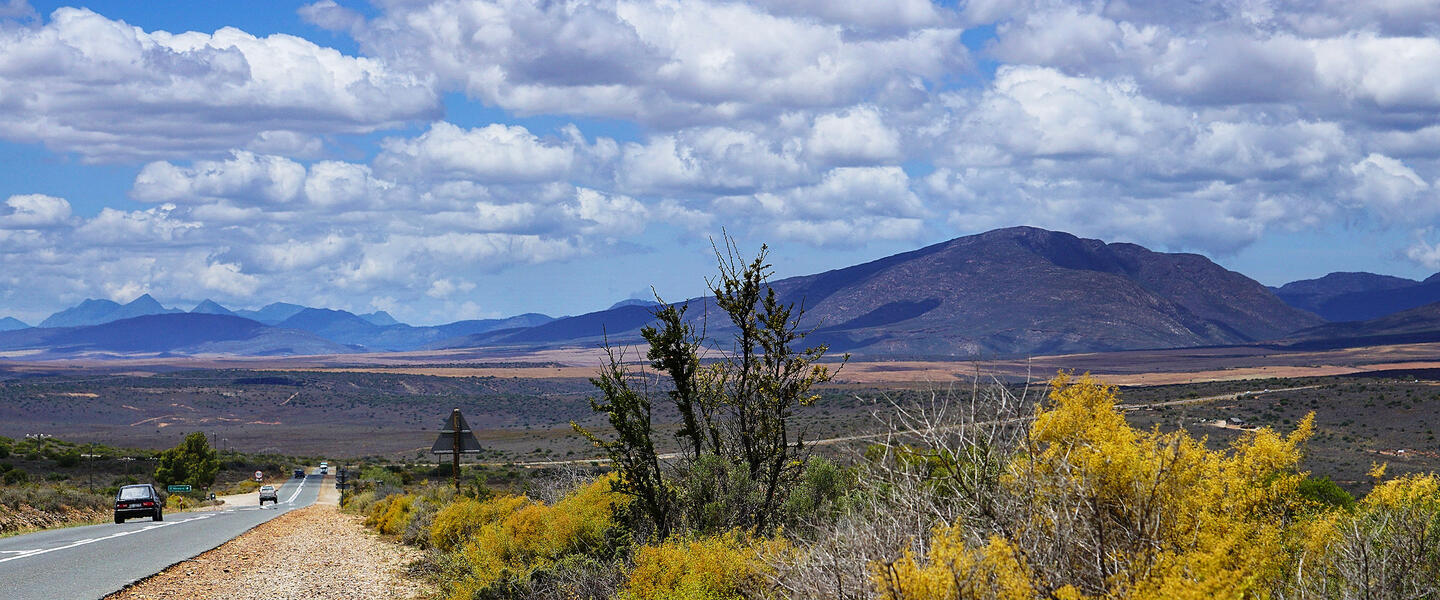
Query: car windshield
(267, 489)
(131, 493)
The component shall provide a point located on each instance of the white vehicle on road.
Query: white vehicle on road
(267, 492)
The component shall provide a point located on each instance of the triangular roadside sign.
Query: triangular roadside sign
(456, 426)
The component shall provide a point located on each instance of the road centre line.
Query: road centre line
(297, 491)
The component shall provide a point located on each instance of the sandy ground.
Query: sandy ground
(315, 553)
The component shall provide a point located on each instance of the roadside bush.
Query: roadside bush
(460, 520)
(729, 566)
(510, 543)
(244, 486)
(68, 460)
(391, 515)
(422, 516)
(16, 476)
(178, 502)
(358, 502)
(51, 498)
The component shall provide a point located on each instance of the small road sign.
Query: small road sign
(177, 488)
(259, 476)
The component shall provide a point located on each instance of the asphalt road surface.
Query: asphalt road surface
(79, 563)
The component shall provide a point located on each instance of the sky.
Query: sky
(457, 159)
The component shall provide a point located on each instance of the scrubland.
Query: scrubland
(989, 496)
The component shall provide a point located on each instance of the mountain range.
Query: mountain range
(1014, 291)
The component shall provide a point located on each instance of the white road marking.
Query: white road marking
(297, 489)
(19, 554)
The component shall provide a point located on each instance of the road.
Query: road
(92, 561)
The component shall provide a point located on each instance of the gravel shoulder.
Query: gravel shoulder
(315, 553)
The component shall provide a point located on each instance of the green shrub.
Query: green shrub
(422, 516)
(1325, 493)
(14, 476)
(68, 460)
(819, 493)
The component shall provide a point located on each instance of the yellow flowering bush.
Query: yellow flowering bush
(1098, 509)
(390, 515)
(503, 541)
(717, 567)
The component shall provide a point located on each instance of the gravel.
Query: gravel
(315, 553)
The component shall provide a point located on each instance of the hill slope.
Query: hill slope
(1413, 326)
(1352, 296)
(1011, 291)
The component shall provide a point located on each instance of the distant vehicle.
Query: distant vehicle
(324, 468)
(139, 501)
(267, 492)
(299, 473)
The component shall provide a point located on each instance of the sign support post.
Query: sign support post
(456, 438)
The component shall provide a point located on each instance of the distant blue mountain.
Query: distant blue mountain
(338, 325)
(380, 318)
(272, 314)
(348, 328)
(89, 312)
(95, 312)
(320, 331)
(471, 327)
(174, 333)
(1343, 297)
(589, 326)
(139, 307)
(210, 307)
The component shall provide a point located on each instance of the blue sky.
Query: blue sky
(453, 159)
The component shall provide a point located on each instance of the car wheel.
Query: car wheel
(159, 515)
(119, 519)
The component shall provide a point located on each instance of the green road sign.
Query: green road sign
(177, 488)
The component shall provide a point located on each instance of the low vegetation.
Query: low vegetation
(995, 496)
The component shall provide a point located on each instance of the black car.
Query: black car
(139, 501)
(299, 473)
